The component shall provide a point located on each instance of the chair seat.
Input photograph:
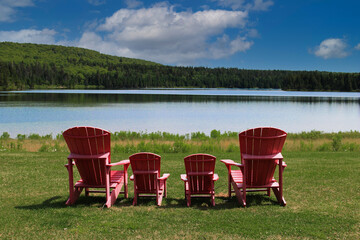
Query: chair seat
(116, 177)
(184, 178)
(270, 185)
(237, 177)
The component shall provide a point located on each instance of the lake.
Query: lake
(177, 110)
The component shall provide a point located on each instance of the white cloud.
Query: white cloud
(255, 5)
(253, 33)
(224, 47)
(45, 36)
(357, 47)
(160, 34)
(133, 3)
(260, 5)
(332, 48)
(96, 2)
(8, 8)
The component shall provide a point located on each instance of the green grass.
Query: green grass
(322, 190)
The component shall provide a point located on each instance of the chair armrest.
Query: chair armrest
(216, 177)
(200, 173)
(261, 157)
(183, 177)
(146, 172)
(80, 156)
(229, 163)
(164, 176)
(123, 162)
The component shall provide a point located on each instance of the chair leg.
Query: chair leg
(75, 193)
(159, 198)
(185, 190)
(126, 195)
(165, 189)
(158, 194)
(229, 185)
(269, 192)
(135, 193)
(280, 198)
(188, 202)
(113, 196)
(135, 199)
(240, 195)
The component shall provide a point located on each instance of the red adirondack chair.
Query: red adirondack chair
(200, 177)
(90, 153)
(260, 150)
(146, 176)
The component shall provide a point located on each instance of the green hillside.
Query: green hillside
(30, 66)
(60, 55)
(75, 61)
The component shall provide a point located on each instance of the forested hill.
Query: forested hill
(24, 66)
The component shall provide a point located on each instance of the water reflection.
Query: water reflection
(46, 112)
(86, 99)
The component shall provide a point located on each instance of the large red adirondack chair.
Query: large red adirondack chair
(146, 176)
(90, 153)
(260, 150)
(200, 177)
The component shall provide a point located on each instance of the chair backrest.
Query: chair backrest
(261, 141)
(146, 170)
(200, 171)
(89, 141)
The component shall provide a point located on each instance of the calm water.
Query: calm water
(177, 111)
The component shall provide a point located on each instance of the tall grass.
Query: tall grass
(162, 142)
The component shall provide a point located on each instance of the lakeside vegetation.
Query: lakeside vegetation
(34, 66)
(163, 142)
(321, 190)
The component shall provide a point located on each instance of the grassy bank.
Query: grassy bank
(321, 190)
(162, 142)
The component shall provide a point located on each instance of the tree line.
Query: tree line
(33, 75)
(29, 66)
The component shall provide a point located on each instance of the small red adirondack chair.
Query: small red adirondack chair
(90, 153)
(200, 177)
(260, 150)
(146, 176)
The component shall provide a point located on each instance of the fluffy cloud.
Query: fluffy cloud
(260, 5)
(159, 34)
(8, 8)
(164, 35)
(255, 5)
(357, 47)
(133, 3)
(332, 48)
(45, 36)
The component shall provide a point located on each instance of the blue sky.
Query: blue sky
(319, 35)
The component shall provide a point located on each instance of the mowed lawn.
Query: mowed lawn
(322, 191)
